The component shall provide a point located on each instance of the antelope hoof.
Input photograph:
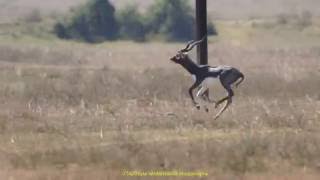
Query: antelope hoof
(207, 109)
(197, 106)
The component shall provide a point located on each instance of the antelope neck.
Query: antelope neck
(190, 66)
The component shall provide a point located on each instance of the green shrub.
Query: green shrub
(96, 22)
(92, 22)
(60, 31)
(131, 24)
(172, 19)
(212, 29)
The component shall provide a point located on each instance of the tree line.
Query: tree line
(98, 21)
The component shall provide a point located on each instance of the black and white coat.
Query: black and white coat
(205, 75)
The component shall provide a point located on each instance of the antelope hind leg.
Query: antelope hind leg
(223, 109)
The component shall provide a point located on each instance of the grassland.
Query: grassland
(76, 111)
(70, 110)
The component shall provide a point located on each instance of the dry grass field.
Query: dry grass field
(76, 111)
(73, 111)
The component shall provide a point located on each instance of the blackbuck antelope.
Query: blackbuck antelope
(205, 75)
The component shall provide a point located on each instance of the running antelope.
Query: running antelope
(205, 75)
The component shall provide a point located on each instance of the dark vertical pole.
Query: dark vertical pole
(201, 30)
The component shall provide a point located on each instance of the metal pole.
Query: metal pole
(201, 30)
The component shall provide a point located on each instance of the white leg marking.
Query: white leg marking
(223, 109)
(201, 90)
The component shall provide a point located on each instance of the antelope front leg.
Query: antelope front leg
(195, 85)
(204, 94)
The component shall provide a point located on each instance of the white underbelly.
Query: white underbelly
(210, 82)
(193, 78)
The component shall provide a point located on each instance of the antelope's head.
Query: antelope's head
(182, 54)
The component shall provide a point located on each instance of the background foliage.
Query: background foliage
(132, 24)
(96, 21)
(93, 22)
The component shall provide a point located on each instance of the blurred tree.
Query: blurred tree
(173, 19)
(131, 23)
(60, 30)
(96, 21)
(92, 22)
(212, 29)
